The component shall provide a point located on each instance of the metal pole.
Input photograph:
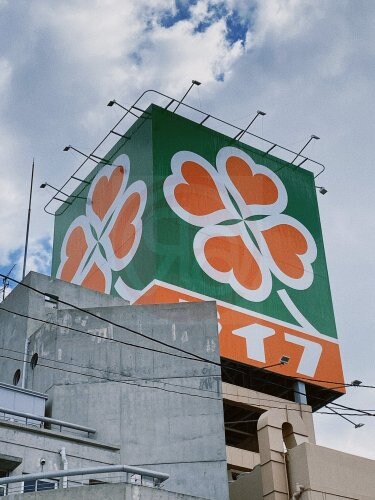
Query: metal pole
(28, 223)
(193, 82)
(102, 469)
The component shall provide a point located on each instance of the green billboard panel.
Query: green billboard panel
(182, 212)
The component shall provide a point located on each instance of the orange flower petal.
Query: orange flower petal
(200, 195)
(106, 191)
(286, 243)
(75, 250)
(226, 253)
(95, 279)
(255, 189)
(123, 233)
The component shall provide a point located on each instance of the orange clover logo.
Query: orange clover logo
(106, 238)
(244, 236)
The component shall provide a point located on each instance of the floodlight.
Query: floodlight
(284, 360)
(242, 132)
(45, 184)
(312, 136)
(113, 101)
(91, 156)
(357, 426)
(356, 383)
(322, 190)
(193, 82)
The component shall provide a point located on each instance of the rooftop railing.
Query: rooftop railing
(35, 420)
(109, 474)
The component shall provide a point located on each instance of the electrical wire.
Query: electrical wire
(196, 357)
(48, 322)
(118, 325)
(110, 372)
(132, 381)
(134, 345)
(127, 382)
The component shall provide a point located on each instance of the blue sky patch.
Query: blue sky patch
(237, 28)
(182, 13)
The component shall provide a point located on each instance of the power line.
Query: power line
(131, 382)
(118, 325)
(146, 348)
(111, 372)
(200, 359)
(365, 412)
(345, 414)
(116, 380)
(48, 322)
(196, 357)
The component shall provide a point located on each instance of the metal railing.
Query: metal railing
(26, 418)
(50, 480)
(166, 101)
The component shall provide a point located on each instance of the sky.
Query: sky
(309, 64)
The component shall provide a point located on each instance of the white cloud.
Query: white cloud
(203, 56)
(284, 19)
(38, 256)
(307, 63)
(5, 78)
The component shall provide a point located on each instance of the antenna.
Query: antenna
(6, 281)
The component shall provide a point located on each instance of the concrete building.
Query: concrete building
(105, 384)
(142, 400)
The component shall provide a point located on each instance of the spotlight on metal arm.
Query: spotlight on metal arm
(284, 360)
(312, 137)
(322, 189)
(242, 132)
(45, 184)
(193, 82)
(113, 101)
(89, 157)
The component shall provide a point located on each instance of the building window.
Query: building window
(40, 485)
(34, 360)
(51, 301)
(16, 376)
(3, 487)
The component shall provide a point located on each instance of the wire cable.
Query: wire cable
(48, 322)
(118, 325)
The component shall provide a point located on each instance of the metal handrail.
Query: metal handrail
(160, 476)
(205, 115)
(47, 420)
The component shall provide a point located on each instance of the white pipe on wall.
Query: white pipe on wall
(65, 466)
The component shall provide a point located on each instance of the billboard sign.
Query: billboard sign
(184, 213)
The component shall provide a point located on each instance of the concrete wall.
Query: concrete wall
(26, 302)
(239, 459)
(105, 491)
(248, 486)
(165, 411)
(32, 443)
(330, 474)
